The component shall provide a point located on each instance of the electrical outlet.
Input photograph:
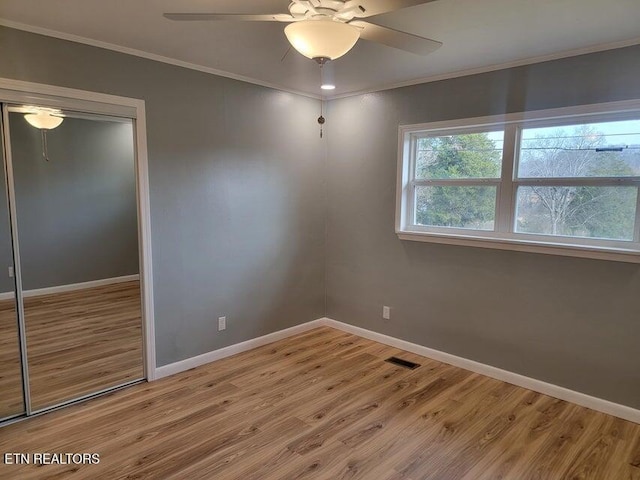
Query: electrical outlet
(386, 312)
(222, 323)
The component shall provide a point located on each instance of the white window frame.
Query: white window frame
(504, 236)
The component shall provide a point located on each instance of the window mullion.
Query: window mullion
(506, 191)
(457, 182)
(411, 204)
(411, 211)
(637, 224)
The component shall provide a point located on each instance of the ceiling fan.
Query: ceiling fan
(324, 30)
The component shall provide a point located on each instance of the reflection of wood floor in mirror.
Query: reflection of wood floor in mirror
(82, 341)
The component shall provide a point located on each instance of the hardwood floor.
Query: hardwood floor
(78, 342)
(324, 405)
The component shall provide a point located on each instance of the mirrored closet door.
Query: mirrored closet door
(72, 179)
(11, 380)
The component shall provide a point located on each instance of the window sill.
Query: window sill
(518, 245)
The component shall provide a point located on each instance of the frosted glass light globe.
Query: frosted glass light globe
(322, 38)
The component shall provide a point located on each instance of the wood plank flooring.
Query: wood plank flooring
(324, 405)
(78, 342)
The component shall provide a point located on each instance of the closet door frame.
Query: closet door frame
(15, 92)
(20, 326)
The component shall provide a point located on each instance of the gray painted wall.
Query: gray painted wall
(77, 214)
(237, 191)
(568, 321)
(239, 204)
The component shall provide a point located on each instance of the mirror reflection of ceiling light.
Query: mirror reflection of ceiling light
(43, 120)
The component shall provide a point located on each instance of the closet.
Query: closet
(71, 303)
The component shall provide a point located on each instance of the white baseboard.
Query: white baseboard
(594, 403)
(70, 287)
(214, 355)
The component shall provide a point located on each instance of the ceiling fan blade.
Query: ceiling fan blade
(377, 7)
(396, 39)
(195, 17)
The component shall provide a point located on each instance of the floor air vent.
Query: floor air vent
(402, 363)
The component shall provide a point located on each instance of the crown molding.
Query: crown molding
(149, 56)
(498, 66)
(222, 73)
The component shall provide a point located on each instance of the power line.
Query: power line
(595, 135)
(610, 148)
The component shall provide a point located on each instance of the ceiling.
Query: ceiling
(477, 35)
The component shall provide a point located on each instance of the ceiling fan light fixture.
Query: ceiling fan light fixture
(43, 120)
(322, 39)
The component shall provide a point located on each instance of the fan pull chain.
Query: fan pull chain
(321, 119)
(45, 149)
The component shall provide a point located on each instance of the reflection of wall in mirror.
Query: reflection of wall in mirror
(6, 254)
(77, 214)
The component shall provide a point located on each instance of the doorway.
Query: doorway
(76, 317)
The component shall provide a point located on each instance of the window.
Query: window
(456, 179)
(560, 181)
